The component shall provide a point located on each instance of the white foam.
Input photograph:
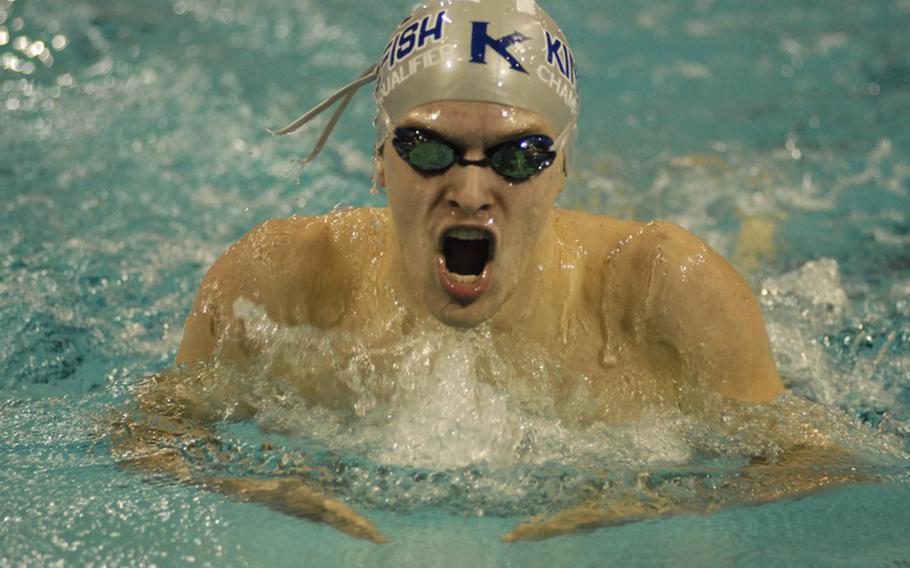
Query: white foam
(439, 407)
(443, 416)
(817, 282)
(450, 406)
(803, 309)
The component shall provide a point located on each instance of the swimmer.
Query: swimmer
(477, 107)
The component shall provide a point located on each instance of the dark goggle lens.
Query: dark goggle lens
(524, 158)
(423, 151)
(516, 160)
(431, 156)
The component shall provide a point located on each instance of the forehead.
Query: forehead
(476, 121)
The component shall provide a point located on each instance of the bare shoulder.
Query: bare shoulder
(637, 255)
(702, 307)
(684, 267)
(679, 296)
(299, 270)
(266, 261)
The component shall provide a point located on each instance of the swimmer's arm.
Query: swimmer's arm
(171, 420)
(174, 410)
(801, 472)
(705, 321)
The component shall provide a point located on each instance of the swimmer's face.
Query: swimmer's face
(468, 236)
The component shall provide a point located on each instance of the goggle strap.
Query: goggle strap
(563, 137)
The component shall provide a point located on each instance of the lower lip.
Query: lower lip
(464, 293)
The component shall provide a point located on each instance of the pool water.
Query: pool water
(133, 151)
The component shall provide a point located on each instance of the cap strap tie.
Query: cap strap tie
(345, 93)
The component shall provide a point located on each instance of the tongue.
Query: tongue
(466, 256)
(462, 288)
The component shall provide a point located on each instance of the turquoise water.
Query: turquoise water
(133, 150)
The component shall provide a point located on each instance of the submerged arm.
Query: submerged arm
(167, 431)
(801, 472)
(175, 409)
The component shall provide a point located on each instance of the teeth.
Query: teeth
(463, 278)
(466, 234)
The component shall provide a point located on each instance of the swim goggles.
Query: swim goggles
(515, 160)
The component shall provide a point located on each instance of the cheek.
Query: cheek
(394, 186)
(406, 202)
(556, 177)
(403, 211)
(533, 207)
(538, 199)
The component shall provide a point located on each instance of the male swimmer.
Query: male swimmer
(477, 107)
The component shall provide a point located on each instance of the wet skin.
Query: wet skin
(518, 216)
(633, 314)
(640, 310)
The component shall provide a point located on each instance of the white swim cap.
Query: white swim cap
(501, 51)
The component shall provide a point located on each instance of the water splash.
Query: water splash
(429, 427)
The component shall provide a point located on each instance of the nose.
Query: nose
(471, 189)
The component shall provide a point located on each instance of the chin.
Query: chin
(455, 315)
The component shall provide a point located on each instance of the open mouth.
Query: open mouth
(464, 265)
(467, 251)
